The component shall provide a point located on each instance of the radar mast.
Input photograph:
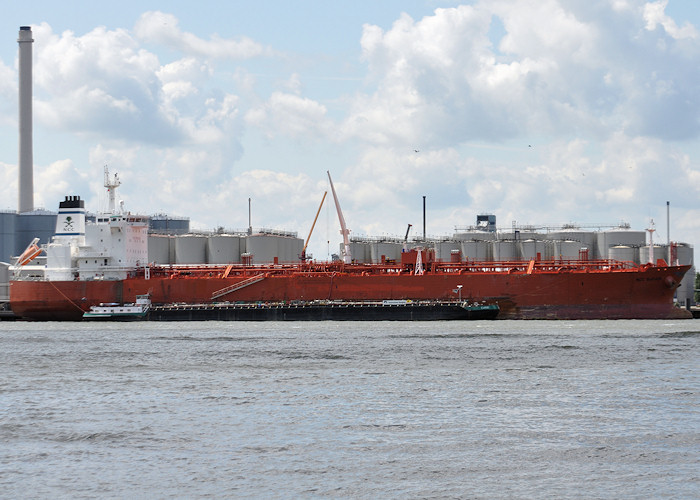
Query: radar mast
(112, 185)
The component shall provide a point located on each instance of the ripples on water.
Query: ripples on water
(444, 409)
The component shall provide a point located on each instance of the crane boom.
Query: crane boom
(303, 252)
(347, 258)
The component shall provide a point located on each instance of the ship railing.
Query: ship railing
(533, 265)
(253, 272)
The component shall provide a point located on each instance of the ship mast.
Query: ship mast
(347, 258)
(651, 230)
(112, 186)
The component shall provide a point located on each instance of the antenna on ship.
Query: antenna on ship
(347, 258)
(112, 186)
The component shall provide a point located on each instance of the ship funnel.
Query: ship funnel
(26, 157)
(70, 223)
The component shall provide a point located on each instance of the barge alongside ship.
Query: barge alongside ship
(388, 310)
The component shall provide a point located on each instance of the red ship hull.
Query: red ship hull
(523, 290)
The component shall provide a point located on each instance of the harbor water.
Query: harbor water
(499, 409)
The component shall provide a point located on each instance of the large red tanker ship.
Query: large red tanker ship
(103, 262)
(522, 290)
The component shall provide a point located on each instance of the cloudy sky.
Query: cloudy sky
(543, 112)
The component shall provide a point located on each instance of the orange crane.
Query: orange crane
(303, 252)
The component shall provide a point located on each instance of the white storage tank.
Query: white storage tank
(262, 247)
(160, 249)
(505, 250)
(360, 251)
(621, 236)
(223, 249)
(289, 249)
(623, 253)
(190, 249)
(477, 251)
(390, 251)
(567, 250)
(685, 294)
(684, 254)
(660, 252)
(533, 249)
(444, 250)
(587, 239)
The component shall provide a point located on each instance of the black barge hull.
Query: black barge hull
(323, 312)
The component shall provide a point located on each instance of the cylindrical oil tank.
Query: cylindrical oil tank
(623, 253)
(660, 252)
(587, 239)
(262, 247)
(289, 249)
(685, 294)
(284, 249)
(190, 249)
(616, 237)
(533, 249)
(567, 250)
(7, 236)
(223, 249)
(360, 251)
(504, 250)
(684, 254)
(38, 224)
(444, 249)
(478, 251)
(388, 249)
(297, 245)
(160, 249)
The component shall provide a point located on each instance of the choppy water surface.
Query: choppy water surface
(607, 409)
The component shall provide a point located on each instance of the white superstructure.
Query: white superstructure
(108, 248)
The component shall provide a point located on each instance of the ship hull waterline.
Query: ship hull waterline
(640, 293)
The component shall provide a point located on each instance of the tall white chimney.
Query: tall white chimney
(26, 158)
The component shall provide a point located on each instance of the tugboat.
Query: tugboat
(115, 312)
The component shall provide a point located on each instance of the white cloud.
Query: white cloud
(291, 116)
(442, 80)
(58, 179)
(655, 15)
(162, 28)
